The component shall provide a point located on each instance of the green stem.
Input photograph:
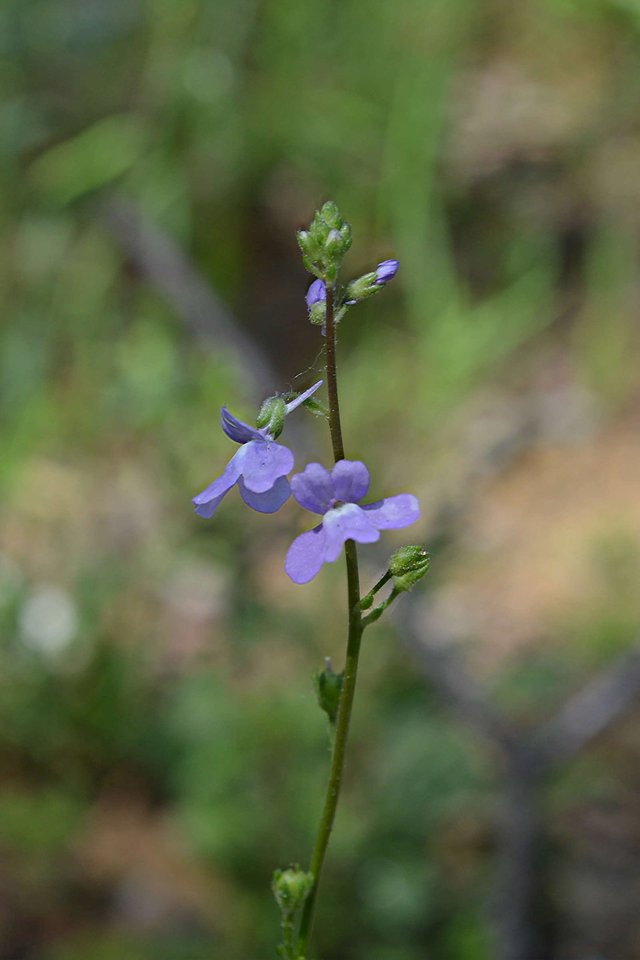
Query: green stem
(377, 612)
(354, 637)
(367, 600)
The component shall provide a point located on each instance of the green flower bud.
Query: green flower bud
(365, 286)
(331, 215)
(291, 887)
(345, 234)
(304, 241)
(333, 245)
(408, 565)
(328, 686)
(271, 415)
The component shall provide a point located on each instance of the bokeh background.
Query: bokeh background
(161, 751)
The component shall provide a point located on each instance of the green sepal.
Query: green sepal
(317, 407)
(272, 414)
(318, 313)
(362, 288)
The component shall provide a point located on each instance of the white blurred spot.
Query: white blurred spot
(48, 620)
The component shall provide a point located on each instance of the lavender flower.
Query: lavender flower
(335, 495)
(259, 467)
(386, 271)
(316, 293)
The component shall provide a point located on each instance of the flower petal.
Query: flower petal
(393, 512)
(350, 480)
(317, 291)
(236, 429)
(303, 396)
(348, 522)
(207, 502)
(264, 462)
(386, 271)
(306, 555)
(269, 501)
(313, 488)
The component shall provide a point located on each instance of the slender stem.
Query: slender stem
(335, 425)
(374, 589)
(351, 663)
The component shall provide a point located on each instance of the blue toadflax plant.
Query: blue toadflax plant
(260, 469)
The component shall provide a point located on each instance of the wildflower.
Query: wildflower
(259, 467)
(336, 495)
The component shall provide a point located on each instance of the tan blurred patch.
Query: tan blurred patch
(140, 855)
(529, 558)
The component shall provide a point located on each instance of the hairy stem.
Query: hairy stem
(354, 637)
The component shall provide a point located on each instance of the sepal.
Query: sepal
(271, 416)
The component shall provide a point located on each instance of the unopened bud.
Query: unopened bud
(408, 565)
(271, 415)
(328, 686)
(333, 245)
(345, 235)
(291, 887)
(365, 286)
(331, 215)
(304, 240)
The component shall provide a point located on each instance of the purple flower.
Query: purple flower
(259, 467)
(386, 271)
(316, 293)
(335, 495)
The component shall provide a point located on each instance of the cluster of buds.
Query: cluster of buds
(325, 243)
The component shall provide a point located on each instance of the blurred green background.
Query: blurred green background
(161, 751)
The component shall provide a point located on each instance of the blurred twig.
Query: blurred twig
(523, 919)
(160, 260)
(590, 712)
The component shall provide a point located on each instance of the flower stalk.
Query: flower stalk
(354, 636)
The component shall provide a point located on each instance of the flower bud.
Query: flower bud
(345, 234)
(271, 415)
(365, 286)
(408, 565)
(333, 245)
(386, 271)
(328, 686)
(304, 241)
(331, 215)
(291, 887)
